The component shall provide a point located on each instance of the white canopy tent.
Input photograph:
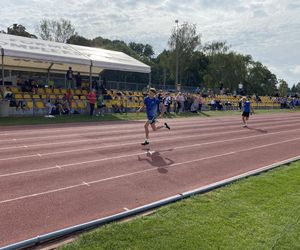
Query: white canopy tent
(28, 54)
(108, 59)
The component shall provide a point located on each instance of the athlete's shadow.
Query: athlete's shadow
(155, 159)
(258, 130)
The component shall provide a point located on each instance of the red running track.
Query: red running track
(57, 176)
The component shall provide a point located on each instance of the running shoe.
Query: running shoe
(145, 143)
(167, 126)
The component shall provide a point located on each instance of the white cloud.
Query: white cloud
(266, 29)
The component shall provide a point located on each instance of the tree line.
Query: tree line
(209, 66)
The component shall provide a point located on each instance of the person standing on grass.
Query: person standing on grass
(247, 110)
(69, 77)
(151, 102)
(92, 101)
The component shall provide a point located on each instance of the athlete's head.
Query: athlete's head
(152, 92)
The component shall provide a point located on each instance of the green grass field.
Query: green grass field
(261, 212)
(8, 121)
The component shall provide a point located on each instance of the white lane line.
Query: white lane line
(143, 171)
(135, 154)
(42, 193)
(157, 140)
(85, 183)
(130, 136)
(30, 171)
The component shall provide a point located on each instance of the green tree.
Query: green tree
(19, 30)
(283, 88)
(56, 30)
(141, 49)
(260, 80)
(79, 40)
(183, 42)
(298, 88)
(215, 48)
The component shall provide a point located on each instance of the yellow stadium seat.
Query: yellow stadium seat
(56, 91)
(40, 105)
(18, 96)
(27, 96)
(81, 105)
(48, 91)
(108, 103)
(29, 104)
(41, 91)
(78, 92)
(14, 90)
(74, 104)
(35, 96)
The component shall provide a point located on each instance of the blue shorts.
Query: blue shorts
(151, 119)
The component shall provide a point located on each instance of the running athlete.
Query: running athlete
(151, 103)
(247, 110)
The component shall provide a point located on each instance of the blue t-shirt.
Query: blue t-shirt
(151, 106)
(247, 106)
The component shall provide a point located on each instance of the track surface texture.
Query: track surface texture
(57, 176)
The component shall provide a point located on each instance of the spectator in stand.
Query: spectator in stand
(167, 102)
(65, 105)
(160, 97)
(195, 104)
(8, 95)
(102, 88)
(51, 108)
(100, 105)
(213, 104)
(78, 80)
(69, 97)
(201, 102)
(69, 77)
(181, 101)
(92, 101)
(58, 106)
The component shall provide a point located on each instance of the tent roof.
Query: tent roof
(108, 59)
(29, 53)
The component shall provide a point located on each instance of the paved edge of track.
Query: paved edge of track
(139, 210)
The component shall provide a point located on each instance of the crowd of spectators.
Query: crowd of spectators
(96, 98)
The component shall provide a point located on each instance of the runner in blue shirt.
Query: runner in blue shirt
(151, 103)
(247, 110)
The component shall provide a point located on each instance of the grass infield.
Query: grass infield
(261, 212)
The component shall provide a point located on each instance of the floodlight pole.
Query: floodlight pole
(91, 66)
(150, 80)
(177, 59)
(2, 59)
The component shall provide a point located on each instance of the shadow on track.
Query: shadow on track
(258, 130)
(155, 159)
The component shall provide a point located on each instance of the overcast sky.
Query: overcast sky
(266, 29)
